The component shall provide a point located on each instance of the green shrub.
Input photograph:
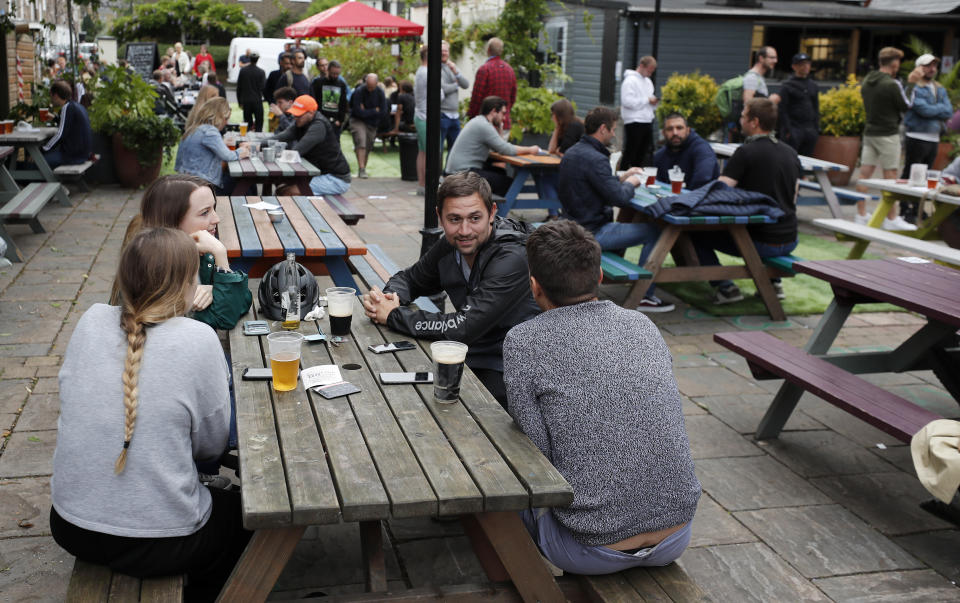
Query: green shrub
(531, 112)
(841, 110)
(691, 95)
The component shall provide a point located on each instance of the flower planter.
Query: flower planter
(839, 149)
(130, 172)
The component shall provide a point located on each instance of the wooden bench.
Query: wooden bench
(843, 194)
(23, 208)
(616, 268)
(90, 583)
(928, 249)
(347, 212)
(772, 358)
(667, 583)
(76, 172)
(376, 268)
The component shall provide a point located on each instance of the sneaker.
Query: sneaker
(727, 295)
(652, 303)
(777, 288)
(897, 223)
(362, 173)
(861, 220)
(220, 482)
(421, 191)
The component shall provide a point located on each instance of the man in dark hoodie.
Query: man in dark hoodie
(800, 107)
(884, 102)
(481, 264)
(686, 150)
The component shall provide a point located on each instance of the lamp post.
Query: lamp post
(430, 232)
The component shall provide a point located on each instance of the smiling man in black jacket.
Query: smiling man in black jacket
(481, 264)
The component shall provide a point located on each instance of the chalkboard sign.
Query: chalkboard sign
(143, 57)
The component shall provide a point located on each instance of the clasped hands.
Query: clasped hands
(378, 305)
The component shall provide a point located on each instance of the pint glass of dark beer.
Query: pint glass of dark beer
(340, 302)
(448, 359)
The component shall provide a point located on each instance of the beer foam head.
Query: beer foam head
(340, 301)
(448, 352)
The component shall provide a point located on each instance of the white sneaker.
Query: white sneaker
(897, 223)
(862, 220)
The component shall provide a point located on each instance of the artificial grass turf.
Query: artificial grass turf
(805, 294)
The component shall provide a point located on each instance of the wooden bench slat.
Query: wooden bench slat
(617, 268)
(29, 201)
(842, 193)
(76, 169)
(918, 246)
(347, 212)
(269, 241)
(168, 589)
(313, 245)
(353, 243)
(227, 229)
(125, 588)
(246, 230)
(284, 229)
(887, 411)
(783, 263)
(330, 238)
(88, 583)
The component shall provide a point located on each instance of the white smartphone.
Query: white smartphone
(395, 378)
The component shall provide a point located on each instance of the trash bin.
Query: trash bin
(408, 156)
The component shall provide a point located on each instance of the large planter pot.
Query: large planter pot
(102, 171)
(839, 149)
(943, 156)
(130, 172)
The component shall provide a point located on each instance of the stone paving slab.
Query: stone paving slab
(922, 585)
(898, 456)
(28, 453)
(709, 438)
(747, 572)
(818, 453)
(826, 541)
(40, 412)
(888, 501)
(440, 561)
(844, 423)
(755, 482)
(713, 525)
(13, 393)
(705, 381)
(24, 507)
(34, 569)
(940, 550)
(743, 412)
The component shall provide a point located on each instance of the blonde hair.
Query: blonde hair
(207, 92)
(206, 113)
(156, 270)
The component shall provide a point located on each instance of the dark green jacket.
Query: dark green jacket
(231, 295)
(884, 101)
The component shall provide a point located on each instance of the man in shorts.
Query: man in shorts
(884, 101)
(368, 105)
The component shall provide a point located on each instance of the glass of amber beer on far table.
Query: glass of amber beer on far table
(284, 359)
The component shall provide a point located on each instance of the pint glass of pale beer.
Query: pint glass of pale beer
(284, 359)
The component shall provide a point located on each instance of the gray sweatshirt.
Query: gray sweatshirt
(592, 385)
(448, 85)
(473, 145)
(183, 416)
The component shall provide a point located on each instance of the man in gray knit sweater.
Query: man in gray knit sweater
(592, 385)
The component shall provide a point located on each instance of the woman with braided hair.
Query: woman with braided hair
(143, 397)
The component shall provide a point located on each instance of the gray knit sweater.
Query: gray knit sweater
(592, 385)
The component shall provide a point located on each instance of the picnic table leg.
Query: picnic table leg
(518, 555)
(827, 189)
(371, 545)
(887, 199)
(510, 199)
(789, 394)
(757, 271)
(47, 173)
(13, 252)
(339, 271)
(668, 236)
(929, 229)
(262, 561)
(241, 186)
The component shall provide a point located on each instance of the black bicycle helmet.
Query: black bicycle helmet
(275, 281)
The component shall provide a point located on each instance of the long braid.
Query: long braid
(136, 337)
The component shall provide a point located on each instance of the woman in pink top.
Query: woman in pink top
(203, 57)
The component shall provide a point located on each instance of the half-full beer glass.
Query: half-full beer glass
(448, 359)
(340, 302)
(284, 359)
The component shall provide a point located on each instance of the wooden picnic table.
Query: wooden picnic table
(310, 228)
(919, 286)
(32, 142)
(892, 191)
(528, 166)
(810, 165)
(248, 173)
(674, 239)
(387, 452)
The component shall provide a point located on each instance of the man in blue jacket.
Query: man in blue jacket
(367, 106)
(929, 107)
(588, 190)
(73, 142)
(686, 150)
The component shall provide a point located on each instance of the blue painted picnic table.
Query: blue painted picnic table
(248, 173)
(530, 166)
(675, 240)
(310, 229)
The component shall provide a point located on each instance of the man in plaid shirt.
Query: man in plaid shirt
(494, 78)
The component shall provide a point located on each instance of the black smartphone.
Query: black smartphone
(335, 390)
(257, 374)
(396, 346)
(395, 378)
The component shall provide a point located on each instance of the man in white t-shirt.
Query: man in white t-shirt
(637, 102)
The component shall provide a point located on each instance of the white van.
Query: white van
(268, 49)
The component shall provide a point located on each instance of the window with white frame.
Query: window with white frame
(553, 46)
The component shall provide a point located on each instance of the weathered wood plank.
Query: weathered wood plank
(331, 240)
(611, 588)
(677, 584)
(288, 237)
(166, 589)
(125, 588)
(645, 585)
(264, 493)
(353, 243)
(249, 240)
(88, 583)
(269, 241)
(313, 246)
(227, 229)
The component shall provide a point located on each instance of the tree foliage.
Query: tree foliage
(360, 56)
(318, 6)
(691, 95)
(841, 110)
(194, 19)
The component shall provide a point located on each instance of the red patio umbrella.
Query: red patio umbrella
(353, 19)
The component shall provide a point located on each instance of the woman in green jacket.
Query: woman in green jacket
(187, 203)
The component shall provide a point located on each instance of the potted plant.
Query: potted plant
(530, 122)
(692, 96)
(841, 123)
(122, 109)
